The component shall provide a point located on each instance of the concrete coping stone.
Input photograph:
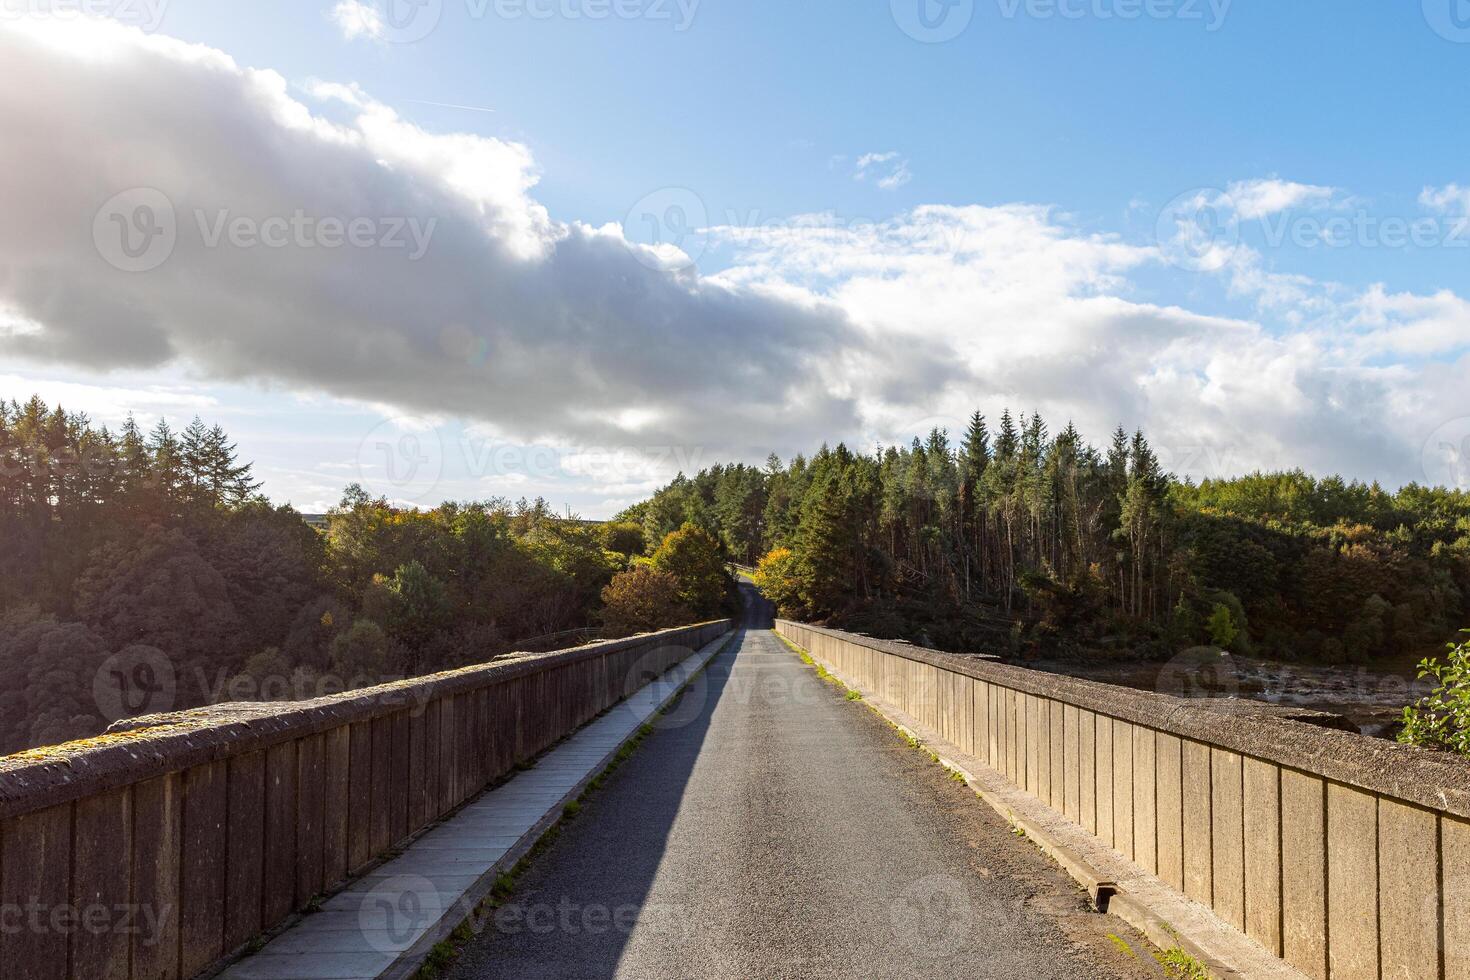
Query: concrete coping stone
(142, 748)
(1438, 781)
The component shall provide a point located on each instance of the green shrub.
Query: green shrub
(1222, 627)
(1442, 720)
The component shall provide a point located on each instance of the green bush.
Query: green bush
(1442, 720)
(1222, 627)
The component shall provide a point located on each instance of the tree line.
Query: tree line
(1015, 538)
(152, 556)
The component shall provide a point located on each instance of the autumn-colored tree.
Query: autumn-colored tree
(692, 556)
(642, 600)
(623, 538)
(778, 576)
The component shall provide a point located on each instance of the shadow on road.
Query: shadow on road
(575, 911)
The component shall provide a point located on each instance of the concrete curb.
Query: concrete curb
(412, 959)
(1117, 887)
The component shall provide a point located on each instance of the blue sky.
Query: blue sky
(749, 104)
(1278, 118)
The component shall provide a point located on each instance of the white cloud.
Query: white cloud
(109, 404)
(358, 20)
(869, 159)
(1261, 198)
(888, 170)
(1453, 202)
(547, 328)
(1450, 199)
(1043, 318)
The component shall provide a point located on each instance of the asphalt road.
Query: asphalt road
(770, 828)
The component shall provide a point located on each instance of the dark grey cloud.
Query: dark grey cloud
(544, 329)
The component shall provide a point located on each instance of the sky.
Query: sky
(569, 248)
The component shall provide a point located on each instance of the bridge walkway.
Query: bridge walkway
(771, 828)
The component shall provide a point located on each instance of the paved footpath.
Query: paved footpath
(770, 828)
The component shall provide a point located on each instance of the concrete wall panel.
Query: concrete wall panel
(202, 904)
(336, 799)
(34, 848)
(1352, 883)
(157, 854)
(1169, 822)
(281, 802)
(1087, 769)
(1145, 802)
(1056, 742)
(1104, 778)
(1408, 890)
(310, 818)
(1071, 765)
(1227, 838)
(1261, 782)
(1454, 901)
(1198, 833)
(1304, 872)
(101, 868)
(360, 797)
(1123, 788)
(245, 855)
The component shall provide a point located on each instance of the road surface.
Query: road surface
(771, 828)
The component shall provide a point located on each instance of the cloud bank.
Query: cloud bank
(542, 327)
(275, 207)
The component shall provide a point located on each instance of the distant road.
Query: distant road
(770, 828)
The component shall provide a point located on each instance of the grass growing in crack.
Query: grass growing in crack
(823, 673)
(1179, 965)
(1122, 944)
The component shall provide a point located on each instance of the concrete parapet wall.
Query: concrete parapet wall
(153, 852)
(1346, 856)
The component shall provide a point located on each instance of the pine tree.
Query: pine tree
(226, 481)
(166, 466)
(194, 464)
(976, 459)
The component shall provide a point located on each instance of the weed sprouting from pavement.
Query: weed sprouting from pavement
(1179, 965)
